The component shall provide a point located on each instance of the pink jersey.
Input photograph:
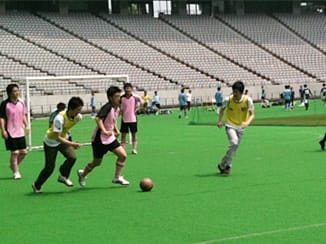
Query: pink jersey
(128, 108)
(109, 116)
(13, 114)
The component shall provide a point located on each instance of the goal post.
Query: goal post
(43, 93)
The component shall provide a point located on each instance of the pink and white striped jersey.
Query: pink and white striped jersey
(129, 107)
(13, 113)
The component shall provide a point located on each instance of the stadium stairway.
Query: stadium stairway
(110, 21)
(264, 77)
(285, 61)
(154, 73)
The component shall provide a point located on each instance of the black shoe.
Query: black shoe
(322, 144)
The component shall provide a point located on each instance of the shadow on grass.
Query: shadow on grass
(74, 190)
(211, 175)
(6, 178)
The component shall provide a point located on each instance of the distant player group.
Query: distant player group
(235, 112)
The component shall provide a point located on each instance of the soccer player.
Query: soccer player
(105, 138)
(323, 93)
(188, 99)
(156, 105)
(130, 104)
(182, 103)
(306, 96)
(13, 122)
(239, 113)
(56, 140)
(287, 97)
(146, 100)
(218, 99)
(93, 105)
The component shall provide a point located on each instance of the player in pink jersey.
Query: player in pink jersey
(105, 139)
(130, 104)
(14, 124)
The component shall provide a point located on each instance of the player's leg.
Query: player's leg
(22, 149)
(234, 141)
(22, 154)
(50, 154)
(124, 131)
(120, 163)
(98, 152)
(69, 153)
(14, 164)
(134, 130)
(322, 142)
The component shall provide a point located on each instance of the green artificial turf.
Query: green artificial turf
(275, 193)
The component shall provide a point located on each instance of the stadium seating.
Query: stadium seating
(279, 40)
(164, 53)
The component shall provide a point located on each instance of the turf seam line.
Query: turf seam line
(263, 233)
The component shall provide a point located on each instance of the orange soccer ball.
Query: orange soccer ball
(146, 184)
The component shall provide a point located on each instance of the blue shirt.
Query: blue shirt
(218, 97)
(156, 99)
(182, 99)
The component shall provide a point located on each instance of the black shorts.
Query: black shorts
(13, 144)
(158, 105)
(126, 127)
(183, 107)
(100, 149)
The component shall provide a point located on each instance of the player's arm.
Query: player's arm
(101, 126)
(220, 118)
(116, 131)
(3, 128)
(251, 114)
(221, 113)
(58, 136)
(57, 131)
(139, 104)
(25, 122)
(3, 121)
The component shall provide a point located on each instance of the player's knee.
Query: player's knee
(23, 152)
(122, 157)
(120, 164)
(234, 142)
(15, 153)
(72, 159)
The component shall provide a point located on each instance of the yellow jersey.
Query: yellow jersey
(237, 112)
(62, 125)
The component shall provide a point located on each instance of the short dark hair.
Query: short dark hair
(10, 87)
(74, 103)
(127, 85)
(111, 91)
(61, 106)
(238, 86)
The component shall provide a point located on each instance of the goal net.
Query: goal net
(42, 94)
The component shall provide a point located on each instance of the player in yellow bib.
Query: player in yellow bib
(57, 140)
(239, 113)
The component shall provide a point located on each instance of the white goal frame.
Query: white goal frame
(27, 85)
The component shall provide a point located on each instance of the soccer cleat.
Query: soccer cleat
(17, 176)
(322, 144)
(81, 178)
(121, 181)
(225, 171)
(35, 189)
(134, 151)
(65, 181)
